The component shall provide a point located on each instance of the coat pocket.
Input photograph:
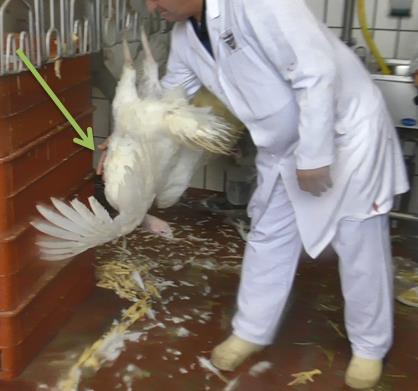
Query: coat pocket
(262, 90)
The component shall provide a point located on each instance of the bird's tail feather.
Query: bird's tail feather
(72, 229)
(198, 126)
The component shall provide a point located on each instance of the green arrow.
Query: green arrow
(84, 141)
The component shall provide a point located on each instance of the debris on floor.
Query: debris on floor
(406, 281)
(191, 284)
(260, 368)
(304, 377)
(206, 364)
(106, 349)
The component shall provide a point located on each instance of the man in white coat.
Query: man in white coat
(328, 162)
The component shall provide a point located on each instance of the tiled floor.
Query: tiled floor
(205, 276)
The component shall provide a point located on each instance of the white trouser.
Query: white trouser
(270, 261)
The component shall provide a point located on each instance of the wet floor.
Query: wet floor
(197, 276)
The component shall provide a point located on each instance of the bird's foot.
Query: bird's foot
(157, 226)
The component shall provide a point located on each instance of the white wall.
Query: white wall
(395, 37)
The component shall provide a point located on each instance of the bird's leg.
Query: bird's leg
(157, 226)
(126, 52)
(124, 246)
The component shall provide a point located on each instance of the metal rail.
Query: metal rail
(75, 28)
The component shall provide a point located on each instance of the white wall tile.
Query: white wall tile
(335, 13)
(337, 31)
(198, 179)
(101, 117)
(386, 42)
(383, 20)
(317, 8)
(215, 173)
(358, 38)
(96, 93)
(407, 44)
(412, 22)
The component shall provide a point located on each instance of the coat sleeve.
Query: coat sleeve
(295, 44)
(178, 73)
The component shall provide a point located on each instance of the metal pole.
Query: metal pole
(348, 17)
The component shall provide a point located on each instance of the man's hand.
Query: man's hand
(103, 148)
(315, 181)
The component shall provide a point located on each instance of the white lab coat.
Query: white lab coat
(307, 101)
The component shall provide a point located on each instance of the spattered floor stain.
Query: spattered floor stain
(197, 275)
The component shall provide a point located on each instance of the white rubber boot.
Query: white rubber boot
(363, 373)
(232, 352)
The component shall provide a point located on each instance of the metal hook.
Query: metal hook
(39, 33)
(87, 42)
(52, 30)
(24, 44)
(30, 49)
(11, 52)
(2, 56)
(120, 16)
(97, 23)
(79, 33)
(107, 24)
(65, 28)
(5, 57)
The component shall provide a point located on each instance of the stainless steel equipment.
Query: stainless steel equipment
(399, 92)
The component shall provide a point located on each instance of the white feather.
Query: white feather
(138, 279)
(260, 368)
(232, 385)
(100, 212)
(53, 230)
(83, 212)
(70, 213)
(51, 243)
(60, 220)
(206, 364)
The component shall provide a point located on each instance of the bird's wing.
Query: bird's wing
(73, 228)
(124, 171)
(198, 127)
(187, 163)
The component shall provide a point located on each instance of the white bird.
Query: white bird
(157, 143)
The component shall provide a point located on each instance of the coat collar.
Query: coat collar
(212, 9)
(212, 14)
